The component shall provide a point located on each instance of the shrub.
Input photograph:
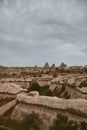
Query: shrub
(63, 123)
(83, 126)
(66, 95)
(33, 120)
(45, 90)
(83, 84)
(42, 90)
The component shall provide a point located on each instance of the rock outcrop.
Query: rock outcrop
(79, 106)
(68, 84)
(75, 85)
(75, 80)
(53, 68)
(33, 94)
(7, 106)
(10, 88)
(48, 107)
(46, 67)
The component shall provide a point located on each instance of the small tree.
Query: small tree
(62, 123)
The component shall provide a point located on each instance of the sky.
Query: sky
(33, 32)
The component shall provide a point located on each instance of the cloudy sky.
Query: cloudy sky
(33, 32)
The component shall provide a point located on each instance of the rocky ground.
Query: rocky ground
(68, 94)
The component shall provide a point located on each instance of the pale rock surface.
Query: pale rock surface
(82, 90)
(7, 106)
(33, 94)
(79, 82)
(79, 106)
(71, 81)
(10, 88)
(74, 80)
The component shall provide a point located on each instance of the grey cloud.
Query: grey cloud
(84, 50)
(34, 32)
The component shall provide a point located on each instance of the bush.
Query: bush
(63, 123)
(42, 90)
(33, 120)
(83, 126)
(46, 91)
(83, 84)
(66, 95)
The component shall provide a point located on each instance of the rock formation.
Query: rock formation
(10, 88)
(69, 84)
(52, 68)
(46, 67)
(48, 107)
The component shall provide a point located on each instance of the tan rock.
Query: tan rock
(82, 90)
(71, 81)
(33, 94)
(79, 106)
(10, 88)
(6, 107)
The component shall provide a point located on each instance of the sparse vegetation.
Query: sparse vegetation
(46, 91)
(31, 122)
(63, 123)
(42, 90)
(83, 84)
(34, 120)
(83, 126)
(66, 95)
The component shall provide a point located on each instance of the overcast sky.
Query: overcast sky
(33, 32)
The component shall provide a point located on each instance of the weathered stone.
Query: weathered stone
(53, 67)
(6, 107)
(71, 81)
(82, 90)
(33, 94)
(79, 106)
(10, 88)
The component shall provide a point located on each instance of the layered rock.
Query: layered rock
(76, 80)
(77, 105)
(10, 88)
(75, 84)
(48, 107)
(7, 106)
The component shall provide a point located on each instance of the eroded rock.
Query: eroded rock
(10, 88)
